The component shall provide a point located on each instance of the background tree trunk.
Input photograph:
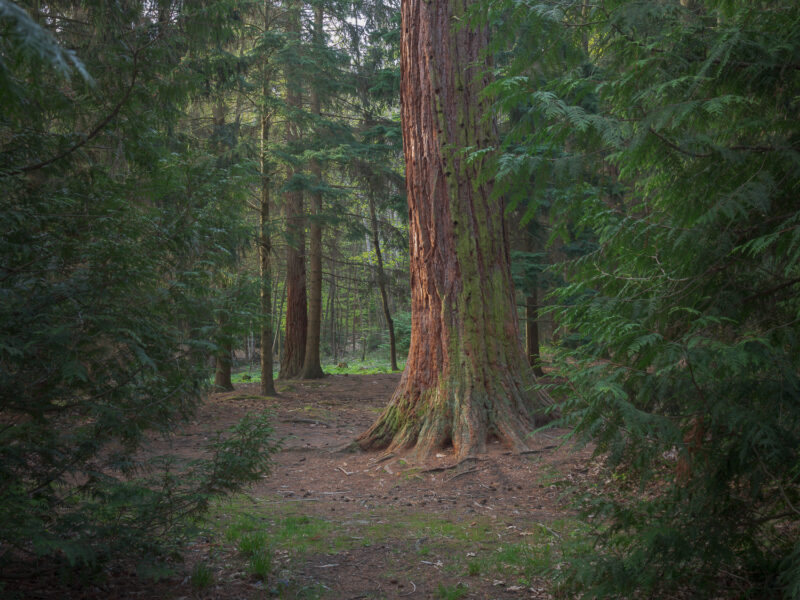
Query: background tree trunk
(382, 282)
(532, 331)
(265, 241)
(294, 346)
(311, 364)
(467, 378)
(222, 370)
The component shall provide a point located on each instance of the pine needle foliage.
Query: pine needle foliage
(667, 133)
(117, 219)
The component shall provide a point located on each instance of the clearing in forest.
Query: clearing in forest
(330, 524)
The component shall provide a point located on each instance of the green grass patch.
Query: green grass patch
(452, 592)
(354, 366)
(202, 576)
(482, 547)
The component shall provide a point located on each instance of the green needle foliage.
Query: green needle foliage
(667, 134)
(116, 217)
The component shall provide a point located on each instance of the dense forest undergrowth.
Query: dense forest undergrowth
(382, 298)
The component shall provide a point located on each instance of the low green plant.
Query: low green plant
(202, 576)
(664, 137)
(454, 592)
(261, 563)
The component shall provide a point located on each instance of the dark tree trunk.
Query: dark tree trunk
(222, 370)
(532, 331)
(311, 365)
(467, 379)
(265, 244)
(294, 345)
(532, 244)
(382, 283)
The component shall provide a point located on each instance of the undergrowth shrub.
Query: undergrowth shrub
(117, 224)
(667, 134)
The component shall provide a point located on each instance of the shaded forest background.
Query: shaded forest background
(195, 194)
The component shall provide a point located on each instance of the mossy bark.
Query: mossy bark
(467, 378)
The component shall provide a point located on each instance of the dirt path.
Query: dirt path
(355, 525)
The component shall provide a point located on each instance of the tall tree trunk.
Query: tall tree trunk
(532, 312)
(222, 360)
(265, 241)
(294, 345)
(467, 379)
(382, 283)
(532, 331)
(311, 365)
(222, 370)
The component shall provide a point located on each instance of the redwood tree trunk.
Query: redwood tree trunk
(294, 346)
(467, 379)
(311, 365)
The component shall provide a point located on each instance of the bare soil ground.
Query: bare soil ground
(365, 525)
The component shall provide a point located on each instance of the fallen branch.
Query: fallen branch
(305, 422)
(459, 463)
(539, 451)
(383, 458)
(412, 591)
(460, 474)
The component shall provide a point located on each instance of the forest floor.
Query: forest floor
(330, 524)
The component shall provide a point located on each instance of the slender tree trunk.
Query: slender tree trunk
(532, 315)
(532, 331)
(382, 283)
(222, 371)
(467, 379)
(334, 313)
(222, 360)
(311, 364)
(294, 345)
(265, 244)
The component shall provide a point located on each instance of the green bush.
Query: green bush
(667, 133)
(108, 263)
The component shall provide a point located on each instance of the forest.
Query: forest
(445, 299)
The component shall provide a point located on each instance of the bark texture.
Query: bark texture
(311, 363)
(382, 282)
(265, 245)
(532, 331)
(467, 379)
(222, 370)
(294, 346)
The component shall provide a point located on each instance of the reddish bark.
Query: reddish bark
(467, 379)
(296, 317)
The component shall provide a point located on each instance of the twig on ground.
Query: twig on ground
(460, 474)
(539, 451)
(545, 527)
(459, 463)
(305, 422)
(382, 458)
(412, 591)
(344, 471)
